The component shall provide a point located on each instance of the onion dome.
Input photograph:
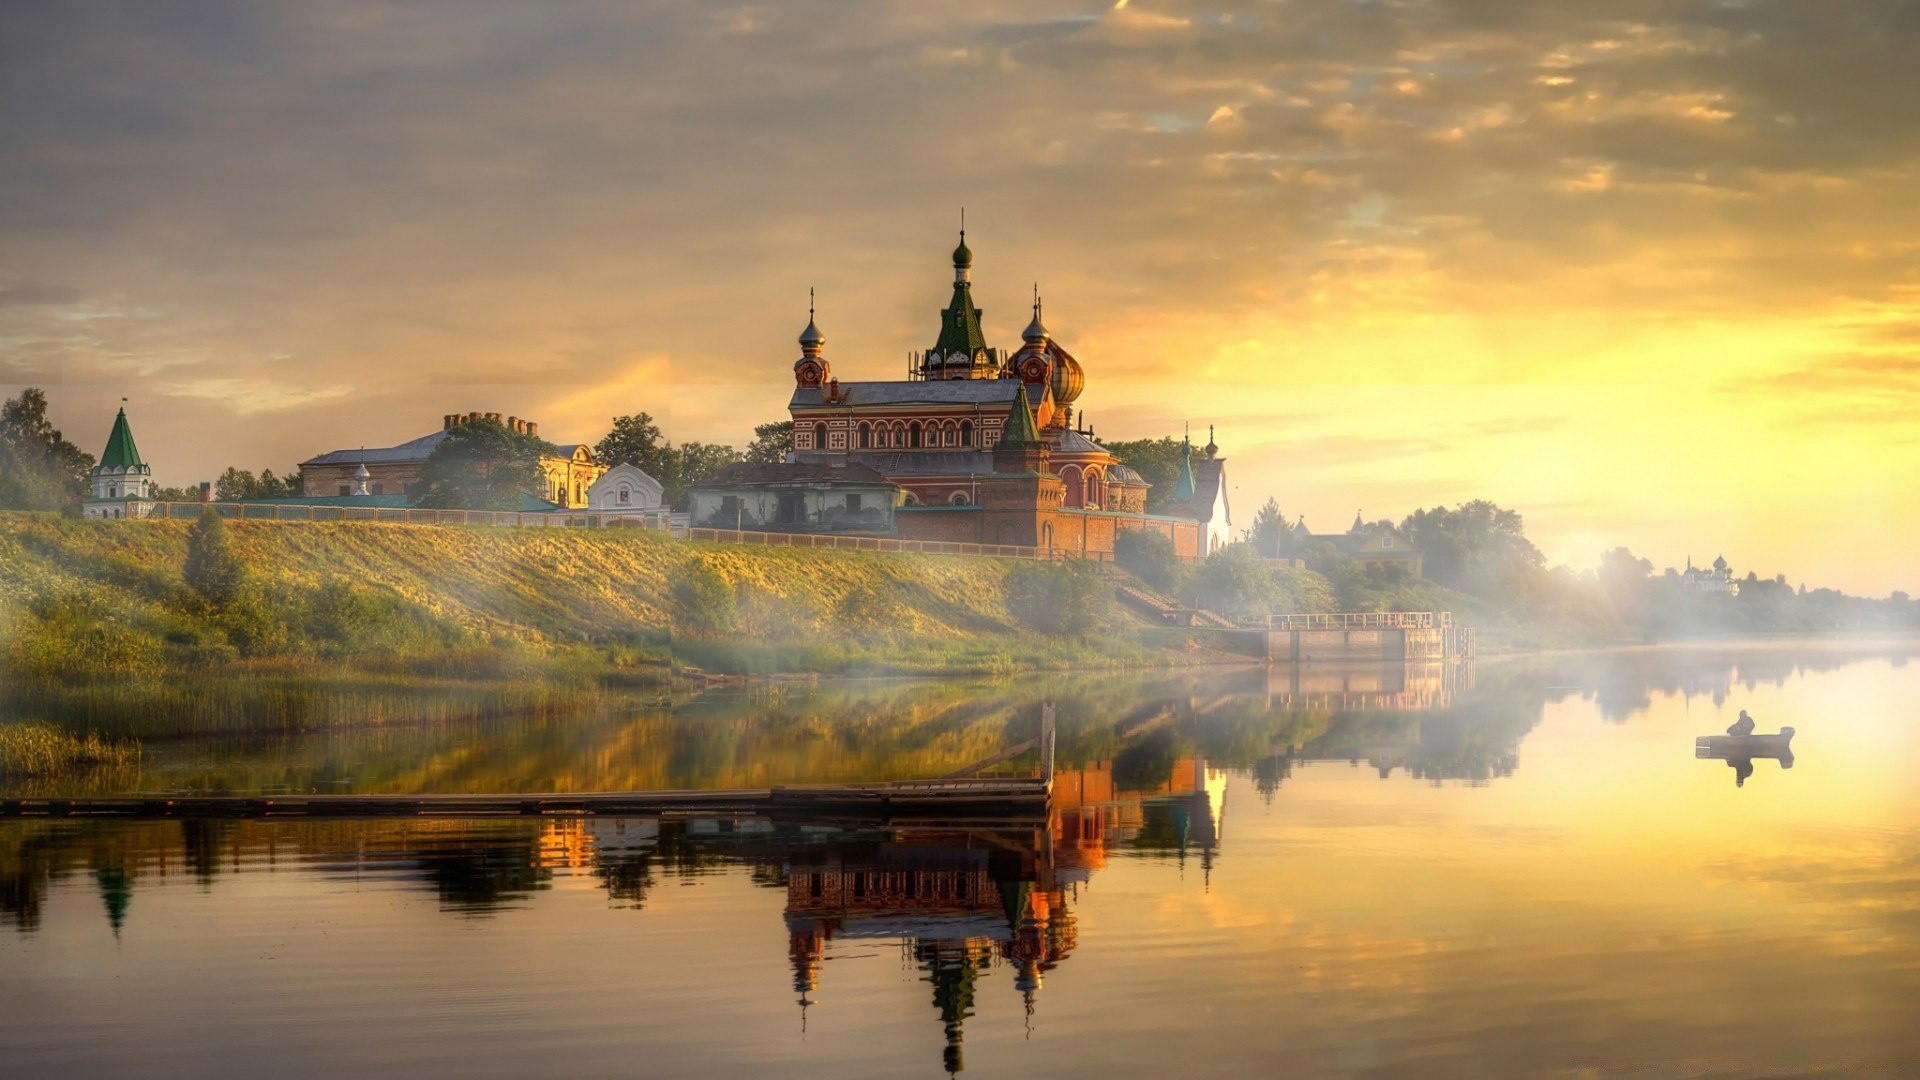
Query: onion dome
(1212, 449)
(361, 473)
(1068, 377)
(811, 339)
(962, 255)
(1036, 332)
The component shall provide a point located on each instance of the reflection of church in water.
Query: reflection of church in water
(968, 904)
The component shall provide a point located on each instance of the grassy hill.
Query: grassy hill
(107, 599)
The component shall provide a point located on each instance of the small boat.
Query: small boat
(1745, 746)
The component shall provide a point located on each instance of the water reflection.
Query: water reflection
(1739, 751)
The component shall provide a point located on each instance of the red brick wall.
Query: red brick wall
(946, 526)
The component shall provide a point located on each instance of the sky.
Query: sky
(1647, 271)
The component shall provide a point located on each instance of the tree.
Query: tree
(1059, 598)
(1156, 460)
(1150, 557)
(237, 484)
(212, 568)
(484, 465)
(770, 442)
(635, 440)
(1268, 534)
(39, 468)
(1476, 547)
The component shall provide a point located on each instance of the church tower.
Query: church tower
(1022, 495)
(122, 484)
(811, 371)
(960, 352)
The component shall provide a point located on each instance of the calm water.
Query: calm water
(1518, 870)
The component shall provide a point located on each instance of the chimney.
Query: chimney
(472, 416)
(448, 421)
(206, 491)
(495, 417)
(514, 425)
(533, 429)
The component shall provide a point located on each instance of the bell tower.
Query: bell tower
(811, 371)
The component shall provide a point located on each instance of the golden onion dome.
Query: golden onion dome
(1068, 378)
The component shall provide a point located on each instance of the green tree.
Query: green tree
(770, 442)
(1268, 535)
(691, 463)
(635, 440)
(1150, 557)
(1156, 460)
(237, 484)
(212, 568)
(1477, 547)
(483, 465)
(39, 468)
(1059, 598)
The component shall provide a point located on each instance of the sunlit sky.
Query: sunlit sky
(1646, 270)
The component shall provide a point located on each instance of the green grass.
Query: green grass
(34, 749)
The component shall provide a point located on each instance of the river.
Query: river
(1514, 869)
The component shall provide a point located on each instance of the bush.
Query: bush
(1062, 598)
(212, 568)
(1150, 557)
(706, 599)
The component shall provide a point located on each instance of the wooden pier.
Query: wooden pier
(957, 796)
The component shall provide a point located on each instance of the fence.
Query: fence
(1364, 620)
(405, 515)
(884, 543)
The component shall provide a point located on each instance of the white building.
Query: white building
(625, 490)
(122, 484)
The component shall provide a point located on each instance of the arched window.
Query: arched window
(913, 434)
(1093, 489)
(899, 434)
(1076, 491)
(966, 433)
(959, 498)
(819, 436)
(1046, 536)
(866, 437)
(626, 495)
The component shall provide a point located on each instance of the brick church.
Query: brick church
(982, 442)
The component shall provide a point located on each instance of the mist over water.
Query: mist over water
(1510, 869)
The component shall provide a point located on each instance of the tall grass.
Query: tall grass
(35, 749)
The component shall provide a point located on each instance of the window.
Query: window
(730, 508)
(626, 494)
(966, 433)
(819, 436)
(1386, 541)
(853, 503)
(959, 498)
(378, 489)
(913, 435)
(113, 492)
(866, 437)
(793, 508)
(346, 489)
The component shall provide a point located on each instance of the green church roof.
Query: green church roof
(1183, 483)
(120, 452)
(960, 324)
(1020, 427)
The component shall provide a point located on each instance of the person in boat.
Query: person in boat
(1742, 726)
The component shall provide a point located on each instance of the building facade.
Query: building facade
(395, 470)
(795, 498)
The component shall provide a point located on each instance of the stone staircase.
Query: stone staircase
(1163, 608)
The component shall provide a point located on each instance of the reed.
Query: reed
(38, 749)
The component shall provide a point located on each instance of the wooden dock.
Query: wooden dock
(958, 796)
(882, 801)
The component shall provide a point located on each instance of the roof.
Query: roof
(1183, 480)
(998, 392)
(912, 462)
(768, 474)
(120, 452)
(1208, 476)
(1019, 428)
(1073, 442)
(529, 504)
(419, 449)
(1124, 474)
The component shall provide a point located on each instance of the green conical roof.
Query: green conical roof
(1020, 427)
(960, 324)
(120, 452)
(1183, 483)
